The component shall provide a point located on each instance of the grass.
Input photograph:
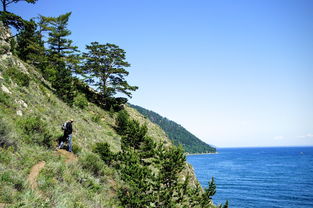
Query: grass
(20, 78)
(87, 182)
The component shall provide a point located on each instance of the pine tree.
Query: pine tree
(62, 55)
(122, 122)
(170, 162)
(152, 173)
(212, 189)
(138, 177)
(208, 193)
(30, 47)
(12, 20)
(226, 204)
(104, 68)
(135, 135)
(103, 149)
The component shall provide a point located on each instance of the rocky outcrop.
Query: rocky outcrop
(5, 35)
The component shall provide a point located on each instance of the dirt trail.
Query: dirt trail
(2, 205)
(70, 157)
(34, 172)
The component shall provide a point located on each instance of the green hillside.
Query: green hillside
(177, 133)
(119, 159)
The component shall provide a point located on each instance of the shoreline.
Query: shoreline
(207, 153)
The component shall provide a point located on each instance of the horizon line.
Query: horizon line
(265, 146)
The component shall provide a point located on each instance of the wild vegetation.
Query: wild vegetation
(178, 134)
(121, 159)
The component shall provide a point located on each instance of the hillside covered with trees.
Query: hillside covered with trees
(178, 134)
(119, 159)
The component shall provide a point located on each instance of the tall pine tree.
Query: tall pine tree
(104, 68)
(30, 46)
(62, 55)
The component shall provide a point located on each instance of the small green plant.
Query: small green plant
(122, 122)
(5, 140)
(10, 184)
(17, 76)
(35, 131)
(208, 193)
(92, 163)
(4, 49)
(32, 124)
(103, 149)
(50, 175)
(5, 156)
(5, 99)
(81, 101)
(76, 149)
(96, 118)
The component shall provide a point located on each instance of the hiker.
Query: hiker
(68, 130)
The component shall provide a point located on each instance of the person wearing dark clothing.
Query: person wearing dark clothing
(68, 130)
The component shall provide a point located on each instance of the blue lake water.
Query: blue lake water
(259, 177)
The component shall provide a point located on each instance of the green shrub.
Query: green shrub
(35, 131)
(90, 184)
(135, 135)
(47, 140)
(32, 124)
(4, 49)
(5, 156)
(96, 118)
(7, 194)
(11, 183)
(103, 149)
(92, 163)
(122, 122)
(51, 175)
(5, 99)
(17, 76)
(5, 140)
(76, 149)
(81, 101)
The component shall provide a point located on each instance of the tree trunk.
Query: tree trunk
(4, 5)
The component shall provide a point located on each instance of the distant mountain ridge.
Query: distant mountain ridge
(177, 133)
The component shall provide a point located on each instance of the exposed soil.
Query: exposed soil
(2, 205)
(70, 157)
(34, 172)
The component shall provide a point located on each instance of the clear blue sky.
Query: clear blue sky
(233, 72)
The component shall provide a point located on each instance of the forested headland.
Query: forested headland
(177, 133)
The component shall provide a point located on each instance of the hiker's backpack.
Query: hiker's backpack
(63, 127)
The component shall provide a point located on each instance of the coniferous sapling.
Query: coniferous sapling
(208, 193)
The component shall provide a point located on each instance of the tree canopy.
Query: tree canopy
(63, 56)
(5, 3)
(104, 68)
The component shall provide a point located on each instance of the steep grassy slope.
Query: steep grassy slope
(30, 121)
(35, 106)
(33, 173)
(177, 133)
